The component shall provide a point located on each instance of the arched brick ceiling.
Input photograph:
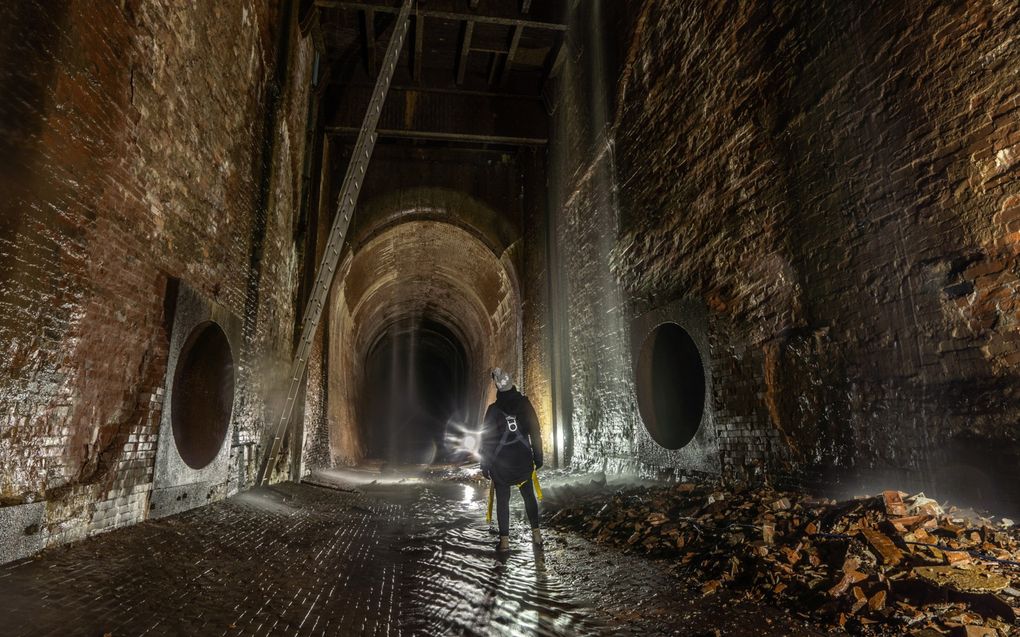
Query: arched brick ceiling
(495, 228)
(427, 269)
(414, 271)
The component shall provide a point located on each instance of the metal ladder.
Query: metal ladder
(345, 208)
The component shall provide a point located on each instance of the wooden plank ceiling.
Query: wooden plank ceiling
(473, 72)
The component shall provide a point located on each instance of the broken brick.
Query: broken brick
(887, 551)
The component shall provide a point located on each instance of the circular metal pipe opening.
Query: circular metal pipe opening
(203, 395)
(670, 386)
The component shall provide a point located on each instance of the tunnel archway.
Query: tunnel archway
(415, 386)
(422, 310)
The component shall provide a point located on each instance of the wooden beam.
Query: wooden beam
(555, 59)
(419, 39)
(514, 41)
(318, 39)
(369, 18)
(465, 138)
(493, 67)
(486, 49)
(452, 91)
(439, 112)
(444, 15)
(465, 50)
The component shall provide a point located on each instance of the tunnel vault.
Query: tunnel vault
(420, 312)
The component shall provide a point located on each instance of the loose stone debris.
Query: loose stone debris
(891, 564)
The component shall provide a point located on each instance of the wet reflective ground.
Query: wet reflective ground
(356, 554)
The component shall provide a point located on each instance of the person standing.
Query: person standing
(511, 450)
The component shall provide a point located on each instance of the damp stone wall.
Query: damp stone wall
(837, 185)
(141, 142)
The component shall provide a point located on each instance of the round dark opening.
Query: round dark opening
(203, 394)
(670, 386)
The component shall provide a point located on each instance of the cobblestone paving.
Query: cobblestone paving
(411, 557)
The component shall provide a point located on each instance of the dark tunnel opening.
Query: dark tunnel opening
(671, 386)
(415, 388)
(203, 394)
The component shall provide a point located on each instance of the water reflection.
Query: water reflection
(453, 581)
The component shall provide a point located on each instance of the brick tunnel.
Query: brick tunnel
(752, 263)
(425, 307)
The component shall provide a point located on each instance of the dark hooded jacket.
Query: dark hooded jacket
(513, 462)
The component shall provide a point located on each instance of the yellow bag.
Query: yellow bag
(488, 514)
(492, 493)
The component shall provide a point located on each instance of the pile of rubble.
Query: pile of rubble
(890, 564)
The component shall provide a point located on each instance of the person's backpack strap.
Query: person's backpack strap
(511, 433)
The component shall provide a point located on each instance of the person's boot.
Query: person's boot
(504, 544)
(536, 537)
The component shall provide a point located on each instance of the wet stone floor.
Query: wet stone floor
(356, 554)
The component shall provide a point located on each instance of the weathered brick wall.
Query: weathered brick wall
(315, 452)
(534, 280)
(837, 183)
(132, 141)
(590, 303)
(273, 305)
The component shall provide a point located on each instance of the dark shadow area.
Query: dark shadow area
(671, 386)
(966, 472)
(415, 387)
(203, 395)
